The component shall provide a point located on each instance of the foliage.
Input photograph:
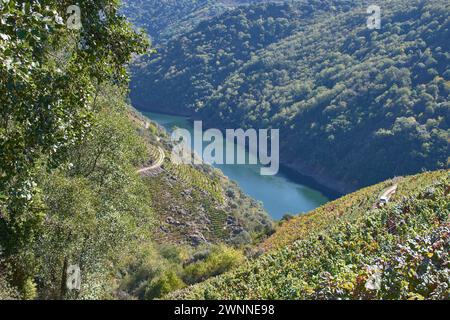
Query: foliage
(50, 77)
(151, 272)
(70, 147)
(6, 292)
(220, 260)
(197, 204)
(162, 19)
(164, 284)
(95, 206)
(314, 70)
(397, 252)
(167, 19)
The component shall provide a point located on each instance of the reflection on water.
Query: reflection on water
(279, 194)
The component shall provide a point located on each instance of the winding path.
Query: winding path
(157, 165)
(386, 196)
(389, 192)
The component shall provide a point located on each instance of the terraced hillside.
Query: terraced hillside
(201, 223)
(350, 249)
(197, 205)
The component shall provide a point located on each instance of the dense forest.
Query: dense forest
(314, 70)
(70, 190)
(166, 19)
(87, 183)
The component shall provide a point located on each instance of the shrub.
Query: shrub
(6, 292)
(169, 281)
(220, 260)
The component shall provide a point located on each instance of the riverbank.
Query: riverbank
(285, 193)
(316, 178)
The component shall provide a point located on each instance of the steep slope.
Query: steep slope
(166, 19)
(350, 249)
(163, 19)
(100, 212)
(316, 71)
(200, 225)
(187, 70)
(197, 205)
(73, 196)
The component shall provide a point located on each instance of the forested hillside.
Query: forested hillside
(355, 106)
(59, 205)
(165, 19)
(350, 249)
(87, 183)
(71, 189)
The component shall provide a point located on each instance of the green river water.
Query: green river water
(279, 194)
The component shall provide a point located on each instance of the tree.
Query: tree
(49, 80)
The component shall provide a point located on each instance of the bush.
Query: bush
(347, 250)
(220, 260)
(287, 217)
(6, 292)
(169, 281)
